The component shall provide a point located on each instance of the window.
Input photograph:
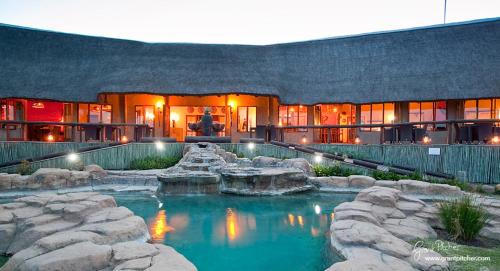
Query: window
(247, 116)
(376, 114)
(3, 110)
(482, 109)
(293, 116)
(145, 114)
(428, 111)
(94, 113)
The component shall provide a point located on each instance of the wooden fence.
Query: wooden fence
(116, 157)
(12, 151)
(477, 163)
(474, 163)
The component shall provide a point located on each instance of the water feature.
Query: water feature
(225, 232)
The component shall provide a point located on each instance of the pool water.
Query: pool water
(222, 232)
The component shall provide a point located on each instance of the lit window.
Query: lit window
(3, 110)
(247, 116)
(293, 116)
(376, 114)
(94, 113)
(145, 114)
(470, 110)
(428, 111)
(484, 109)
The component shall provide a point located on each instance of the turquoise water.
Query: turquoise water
(223, 232)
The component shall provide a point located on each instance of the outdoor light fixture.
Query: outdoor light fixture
(38, 105)
(251, 145)
(280, 123)
(495, 140)
(174, 117)
(50, 138)
(391, 118)
(304, 139)
(426, 139)
(231, 104)
(357, 140)
(72, 157)
(159, 105)
(124, 139)
(317, 209)
(159, 145)
(318, 157)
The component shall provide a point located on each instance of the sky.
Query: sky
(237, 21)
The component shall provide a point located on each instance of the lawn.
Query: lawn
(450, 249)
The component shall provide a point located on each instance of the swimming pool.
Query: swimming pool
(223, 232)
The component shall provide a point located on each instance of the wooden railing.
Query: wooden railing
(102, 130)
(458, 131)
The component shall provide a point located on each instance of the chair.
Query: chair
(390, 135)
(482, 132)
(405, 133)
(418, 134)
(464, 134)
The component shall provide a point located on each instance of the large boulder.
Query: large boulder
(361, 181)
(51, 178)
(299, 163)
(264, 161)
(95, 171)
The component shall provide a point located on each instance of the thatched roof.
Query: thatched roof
(454, 61)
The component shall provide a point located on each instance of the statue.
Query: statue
(206, 123)
(207, 126)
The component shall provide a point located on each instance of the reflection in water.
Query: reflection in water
(231, 224)
(300, 220)
(159, 227)
(291, 219)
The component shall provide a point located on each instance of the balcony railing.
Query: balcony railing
(457, 131)
(73, 131)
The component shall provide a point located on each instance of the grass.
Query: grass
(322, 171)
(25, 168)
(450, 249)
(3, 260)
(153, 162)
(462, 218)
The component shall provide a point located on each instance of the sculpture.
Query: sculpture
(206, 126)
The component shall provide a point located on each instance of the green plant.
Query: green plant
(383, 175)
(464, 186)
(77, 165)
(462, 218)
(416, 175)
(479, 189)
(240, 155)
(25, 168)
(153, 162)
(336, 170)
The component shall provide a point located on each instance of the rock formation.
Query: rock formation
(79, 231)
(206, 168)
(373, 231)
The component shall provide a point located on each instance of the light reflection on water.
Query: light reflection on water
(264, 233)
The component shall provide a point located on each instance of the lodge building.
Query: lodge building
(440, 81)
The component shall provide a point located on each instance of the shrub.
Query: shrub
(240, 155)
(464, 186)
(153, 162)
(25, 168)
(322, 171)
(78, 165)
(462, 218)
(383, 175)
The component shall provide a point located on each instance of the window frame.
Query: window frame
(288, 117)
(375, 129)
(88, 112)
(144, 122)
(247, 114)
